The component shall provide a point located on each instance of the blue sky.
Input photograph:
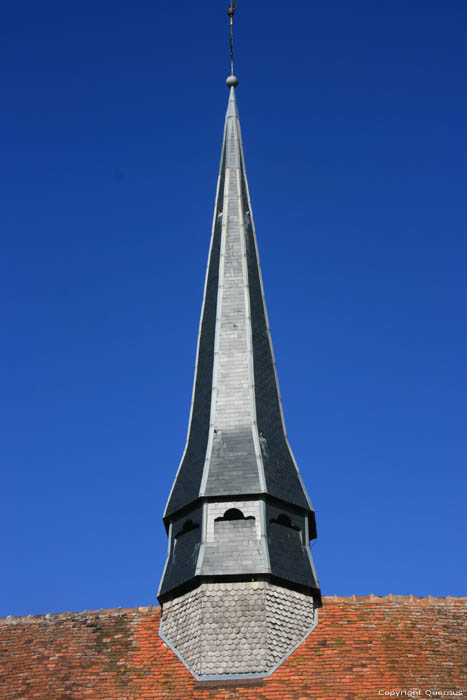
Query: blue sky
(353, 118)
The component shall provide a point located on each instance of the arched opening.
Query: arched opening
(188, 526)
(233, 514)
(285, 521)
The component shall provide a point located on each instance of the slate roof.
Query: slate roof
(236, 549)
(362, 648)
(236, 442)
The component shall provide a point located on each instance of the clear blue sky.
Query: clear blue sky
(353, 117)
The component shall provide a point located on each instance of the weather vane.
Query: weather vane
(231, 11)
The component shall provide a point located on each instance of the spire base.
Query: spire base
(224, 631)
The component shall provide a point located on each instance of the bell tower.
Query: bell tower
(239, 590)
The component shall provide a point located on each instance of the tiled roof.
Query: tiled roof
(362, 648)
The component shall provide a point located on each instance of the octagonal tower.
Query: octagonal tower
(239, 591)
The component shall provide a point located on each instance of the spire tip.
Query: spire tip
(231, 11)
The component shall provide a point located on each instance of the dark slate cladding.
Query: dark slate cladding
(288, 548)
(281, 475)
(184, 552)
(187, 484)
(221, 466)
(233, 468)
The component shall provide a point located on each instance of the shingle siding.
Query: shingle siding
(247, 628)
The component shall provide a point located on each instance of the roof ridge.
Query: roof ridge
(391, 596)
(327, 599)
(82, 613)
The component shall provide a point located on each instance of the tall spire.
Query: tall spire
(236, 441)
(238, 517)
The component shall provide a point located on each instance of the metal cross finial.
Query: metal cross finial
(231, 11)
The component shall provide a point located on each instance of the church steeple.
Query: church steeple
(239, 590)
(237, 443)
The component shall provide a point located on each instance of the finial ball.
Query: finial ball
(231, 81)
